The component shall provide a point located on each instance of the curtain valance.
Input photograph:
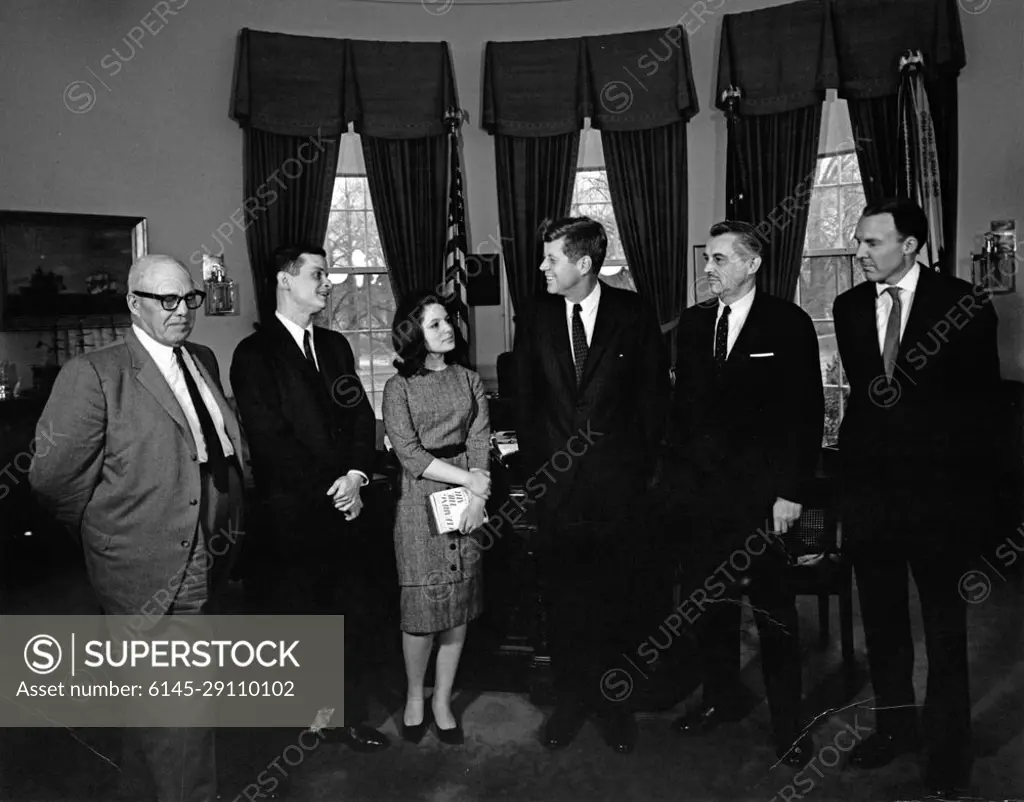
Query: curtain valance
(305, 85)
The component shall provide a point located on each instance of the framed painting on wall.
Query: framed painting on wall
(66, 270)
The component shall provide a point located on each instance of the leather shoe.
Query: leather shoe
(562, 727)
(452, 736)
(948, 776)
(357, 737)
(620, 732)
(703, 720)
(880, 749)
(798, 755)
(413, 733)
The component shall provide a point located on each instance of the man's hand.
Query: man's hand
(352, 511)
(473, 516)
(345, 491)
(785, 514)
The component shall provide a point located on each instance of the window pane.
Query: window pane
(830, 434)
(818, 282)
(849, 171)
(344, 300)
(847, 277)
(374, 249)
(828, 352)
(828, 170)
(853, 203)
(591, 198)
(822, 220)
(618, 276)
(382, 302)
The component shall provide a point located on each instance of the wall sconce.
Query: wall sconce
(995, 268)
(221, 291)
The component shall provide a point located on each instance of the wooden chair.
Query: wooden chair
(818, 533)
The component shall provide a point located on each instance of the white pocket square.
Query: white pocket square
(766, 353)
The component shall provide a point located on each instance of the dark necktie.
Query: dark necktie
(891, 345)
(722, 339)
(579, 341)
(215, 459)
(309, 351)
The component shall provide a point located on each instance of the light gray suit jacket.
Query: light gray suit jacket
(123, 473)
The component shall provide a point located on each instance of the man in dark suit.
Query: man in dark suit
(919, 349)
(747, 422)
(147, 475)
(593, 389)
(312, 433)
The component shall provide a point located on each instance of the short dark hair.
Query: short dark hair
(745, 233)
(407, 335)
(287, 256)
(583, 237)
(908, 217)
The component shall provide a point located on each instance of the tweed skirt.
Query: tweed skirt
(442, 604)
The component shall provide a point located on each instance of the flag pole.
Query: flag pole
(455, 250)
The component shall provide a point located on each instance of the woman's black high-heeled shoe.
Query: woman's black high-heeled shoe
(413, 733)
(453, 736)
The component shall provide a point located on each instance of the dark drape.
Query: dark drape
(645, 155)
(875, 122)
(638, 89)
(288, 181)
(647, 177)
(772, 161)
(408, 181)
(534, 181)
(870, 38)
(292, 90)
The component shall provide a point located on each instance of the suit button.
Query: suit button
(193, 502)
(452, 546)
(185, 544)
(454, 568)
(194, 457)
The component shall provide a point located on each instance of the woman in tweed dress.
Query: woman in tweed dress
(435, 413)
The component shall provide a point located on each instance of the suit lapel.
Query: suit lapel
(293, 355)
(563, 346)
(606, 329)
(866, 328)
(149, 376)
(749, 332)
(922, 317)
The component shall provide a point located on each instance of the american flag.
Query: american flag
(920, 179)
(455, 250)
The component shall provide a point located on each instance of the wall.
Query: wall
(158, 141)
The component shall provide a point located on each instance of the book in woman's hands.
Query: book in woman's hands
(447, 506)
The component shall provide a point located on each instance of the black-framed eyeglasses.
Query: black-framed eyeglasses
(193, 300)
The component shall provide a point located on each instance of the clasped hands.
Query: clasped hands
(479, 484)
(345, 493)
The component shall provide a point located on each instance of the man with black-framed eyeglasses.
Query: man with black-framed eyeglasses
(171, 302)
(147, 472)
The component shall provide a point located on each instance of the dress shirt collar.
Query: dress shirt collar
(296, 330)
(741, 306)
(908, 283)
(162, 354)
(588, 304)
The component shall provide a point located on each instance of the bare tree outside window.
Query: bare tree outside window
(828, 268)
(591, 198)
(362, 305)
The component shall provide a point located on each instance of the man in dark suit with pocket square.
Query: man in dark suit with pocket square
(747, 423)
(312, 432)
(593, 390)
(919, 349)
